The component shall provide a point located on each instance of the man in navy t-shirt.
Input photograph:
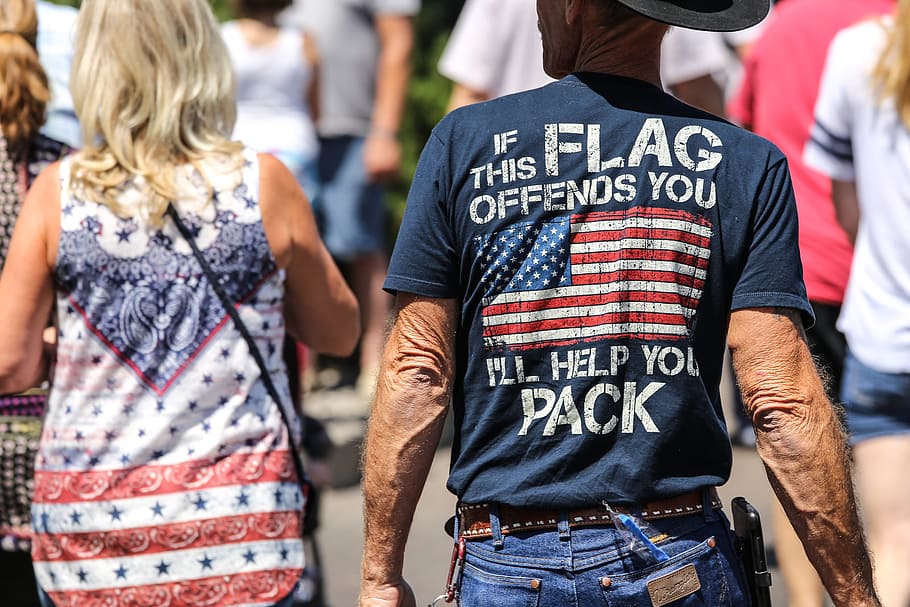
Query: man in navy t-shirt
(572, 263)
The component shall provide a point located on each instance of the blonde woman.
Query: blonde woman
(24, 152)
(164, 475)
(861, 139)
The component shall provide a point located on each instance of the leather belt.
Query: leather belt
(475, 518)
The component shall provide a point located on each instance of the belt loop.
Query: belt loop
(495, 527)
(562, 525)
(456, 533)
(707, 504)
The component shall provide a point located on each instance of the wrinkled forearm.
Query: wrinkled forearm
(804, 450)
(405, 426)
(808, 466)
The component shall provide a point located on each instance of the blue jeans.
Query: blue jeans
(350, 209)
(592, 566)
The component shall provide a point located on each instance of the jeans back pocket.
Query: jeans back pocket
(698, 577)
(480, 588)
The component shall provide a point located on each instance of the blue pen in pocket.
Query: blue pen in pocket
(633, 535)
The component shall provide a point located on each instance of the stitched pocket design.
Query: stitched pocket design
(479, 587)
(697, 577)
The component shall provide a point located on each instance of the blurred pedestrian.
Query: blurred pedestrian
(276, 71)
(165, 473)
(861, 139)
(276, 74)
(24, 152)
(56, 31)
(789, 55)
(692, 65)
(365, 52)
(494, 50)
(572, 261)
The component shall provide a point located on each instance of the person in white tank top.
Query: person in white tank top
(277, 77)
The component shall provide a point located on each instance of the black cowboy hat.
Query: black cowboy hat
(711, 15)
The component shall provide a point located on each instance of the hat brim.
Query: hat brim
(708, 15)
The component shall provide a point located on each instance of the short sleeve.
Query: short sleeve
(830, 146)
(424, 260)
(689, 54)
(772, 276)
(475, 48)
(393, 7)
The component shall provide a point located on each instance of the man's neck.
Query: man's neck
(633, 53)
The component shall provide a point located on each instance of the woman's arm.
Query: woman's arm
(846, 206)
(319, 309)
(311, 56)
(27, 288)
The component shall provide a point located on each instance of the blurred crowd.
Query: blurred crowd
(321, 85)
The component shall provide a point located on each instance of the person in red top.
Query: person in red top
(776, 99)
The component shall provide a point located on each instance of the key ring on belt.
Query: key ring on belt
(456, 568)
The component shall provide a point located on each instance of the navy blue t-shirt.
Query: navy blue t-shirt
(597, 233)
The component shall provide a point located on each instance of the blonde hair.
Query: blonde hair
(24, 89)
(153, 87)
(892, 72)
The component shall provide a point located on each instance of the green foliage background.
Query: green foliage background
(428, 94)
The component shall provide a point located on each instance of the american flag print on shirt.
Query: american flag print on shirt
(636, 273)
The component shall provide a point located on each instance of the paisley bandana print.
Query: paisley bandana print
(122, 280)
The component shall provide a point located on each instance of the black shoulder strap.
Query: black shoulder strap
(244, 332)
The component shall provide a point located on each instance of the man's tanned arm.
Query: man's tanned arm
(412, 398)
(803, 447)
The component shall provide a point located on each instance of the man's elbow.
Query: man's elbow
(792, 413)
(421, 375)
(773, 413)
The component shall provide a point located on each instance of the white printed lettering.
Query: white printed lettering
(652, 141)
(708, 159)
(633, 405)
(529, 397)
(564, 414)
(591, 400)
(479, 203)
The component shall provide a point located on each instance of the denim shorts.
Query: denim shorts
(877, 404)
(591, 566)
(350, 209)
